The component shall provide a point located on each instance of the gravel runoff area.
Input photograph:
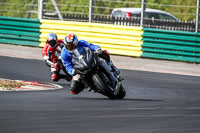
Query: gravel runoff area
(122, 62)
(9, 84)
(19, 85)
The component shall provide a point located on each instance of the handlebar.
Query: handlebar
(83, 73)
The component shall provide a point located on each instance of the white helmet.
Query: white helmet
(70, 42)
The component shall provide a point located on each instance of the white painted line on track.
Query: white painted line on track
(128, 116)
(132, 109)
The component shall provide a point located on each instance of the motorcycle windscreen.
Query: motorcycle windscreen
(84, 58)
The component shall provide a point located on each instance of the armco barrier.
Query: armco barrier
(171, 45)
(121, 40)
(19, 31)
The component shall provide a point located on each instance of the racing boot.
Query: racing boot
(77, 86)
(114, 69)
(55, 77)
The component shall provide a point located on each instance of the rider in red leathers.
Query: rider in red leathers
(51, 53)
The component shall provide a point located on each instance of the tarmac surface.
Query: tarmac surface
(158, 99)
(154, 103)
(122, 62)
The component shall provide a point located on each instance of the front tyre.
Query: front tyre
(122, 93)
(105, 89)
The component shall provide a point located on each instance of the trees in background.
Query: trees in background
(183, 9)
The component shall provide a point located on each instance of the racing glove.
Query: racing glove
(75, 71)
(99, 51)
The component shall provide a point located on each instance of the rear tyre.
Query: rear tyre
(105, 89)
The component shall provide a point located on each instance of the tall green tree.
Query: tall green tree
(183, 9)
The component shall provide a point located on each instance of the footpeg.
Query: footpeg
(89, 89)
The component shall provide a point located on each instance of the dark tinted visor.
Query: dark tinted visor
(52, 43)
(70, 46)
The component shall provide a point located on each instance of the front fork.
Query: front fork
(111, 75)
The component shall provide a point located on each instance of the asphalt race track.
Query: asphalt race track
(155, 103)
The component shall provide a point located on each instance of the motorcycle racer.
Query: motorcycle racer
(71, 42)
(50, 53)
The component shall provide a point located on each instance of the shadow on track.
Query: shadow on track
(125, 99)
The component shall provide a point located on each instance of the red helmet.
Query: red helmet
(70, 42)
(52, 39)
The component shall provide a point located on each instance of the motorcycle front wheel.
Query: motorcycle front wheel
(122, 93)
(101, 84)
